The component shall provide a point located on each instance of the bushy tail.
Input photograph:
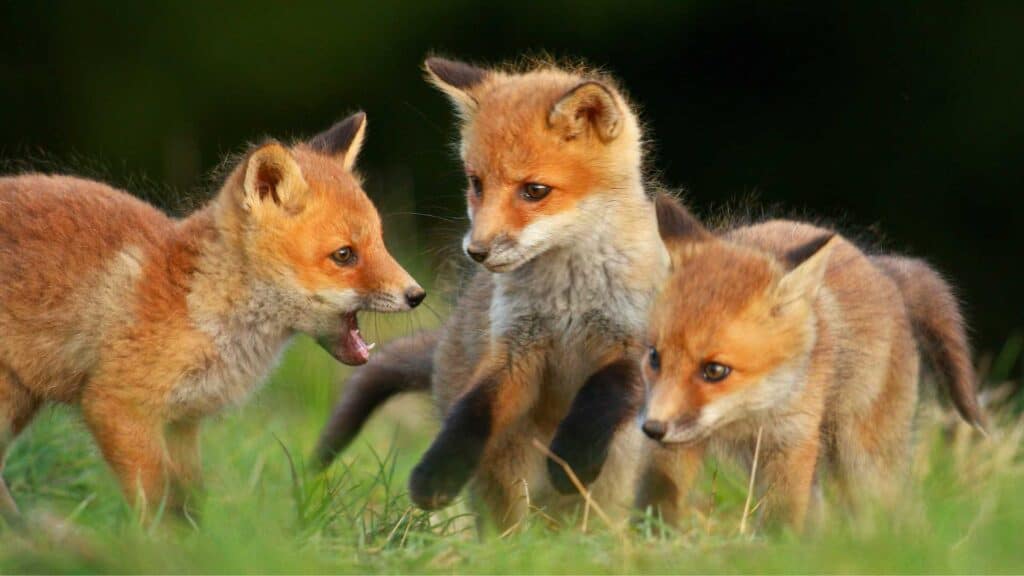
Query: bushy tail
(938, 328)
(404, 365)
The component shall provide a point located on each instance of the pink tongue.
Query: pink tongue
(357, 349)
(348, 345)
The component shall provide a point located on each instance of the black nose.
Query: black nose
(655, 429)
(477, 252)
(414, 296)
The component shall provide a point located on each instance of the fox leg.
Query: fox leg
(787, 481)
(608, 399)
(185, 461)
(500, 394)
(666, 479)
(503, 486)
(873, 449)
(132, 442)
(17, 407)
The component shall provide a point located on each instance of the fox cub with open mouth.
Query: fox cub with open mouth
(151, 323)
(788, 332)
(568, 236)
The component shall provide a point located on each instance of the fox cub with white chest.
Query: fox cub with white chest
(568, 238)
(150, 324)
(789, 332)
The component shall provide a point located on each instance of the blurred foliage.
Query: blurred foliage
(900, 121)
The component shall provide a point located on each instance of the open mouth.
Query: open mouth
(347, 345)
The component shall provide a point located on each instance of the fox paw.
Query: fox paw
(434, 485)
(584, 462)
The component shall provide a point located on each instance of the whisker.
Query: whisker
(426, 120)
(424, 214)
(432, 311)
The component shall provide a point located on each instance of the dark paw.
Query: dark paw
(559, 479)
(586, 467)
(607, 401)
(433, 486)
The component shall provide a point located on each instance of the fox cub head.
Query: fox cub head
(731, 333)
(312, 238)
(546, 153)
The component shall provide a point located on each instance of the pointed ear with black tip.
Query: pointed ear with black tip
(680, 230)
(809, 263)
(343, 140)
(273, 178)
(457, 80)
(675, 223)
(590, 107)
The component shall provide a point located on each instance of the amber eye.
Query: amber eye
(714, 372)
(345, 256)
(533, 191)
(653, 359)
(476, 186)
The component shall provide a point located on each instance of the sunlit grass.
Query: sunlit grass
(266, 512)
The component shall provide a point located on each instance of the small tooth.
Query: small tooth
(371, 345)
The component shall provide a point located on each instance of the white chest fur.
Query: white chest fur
(581, 300)
(240, 351)
(240, 363)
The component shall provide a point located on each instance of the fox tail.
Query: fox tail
(404, 365)
(939, 329)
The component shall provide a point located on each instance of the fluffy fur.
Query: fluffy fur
(819, 340)
(569, 278)
(150, 323)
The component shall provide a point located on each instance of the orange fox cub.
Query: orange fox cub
(789, 331)
(151, 323)
(568, 239)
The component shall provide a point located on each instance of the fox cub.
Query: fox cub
(150, 323)
(787, 331)
(567, 236)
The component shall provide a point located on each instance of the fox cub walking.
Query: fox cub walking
(568, 237)
(788, 331)
(150, 323)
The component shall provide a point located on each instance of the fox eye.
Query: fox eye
(653, 359)
(713, 372)
(345, 256)
(533, 191)
(476, 186)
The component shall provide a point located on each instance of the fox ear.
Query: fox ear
(343, 140)
(457, 80)
(809, 263)
(590, 105)
(676, 223)
(272, 177)
(679, 229)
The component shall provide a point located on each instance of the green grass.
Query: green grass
(264, 512)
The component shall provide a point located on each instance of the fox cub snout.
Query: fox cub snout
(151, 323)
(787, 334)
(534, 148)
(331, 266)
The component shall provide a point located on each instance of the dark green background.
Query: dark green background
(898, 120)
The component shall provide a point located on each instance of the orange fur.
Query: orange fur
(151, 324)
(533, 127)
(820, 344)
(573, 275)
